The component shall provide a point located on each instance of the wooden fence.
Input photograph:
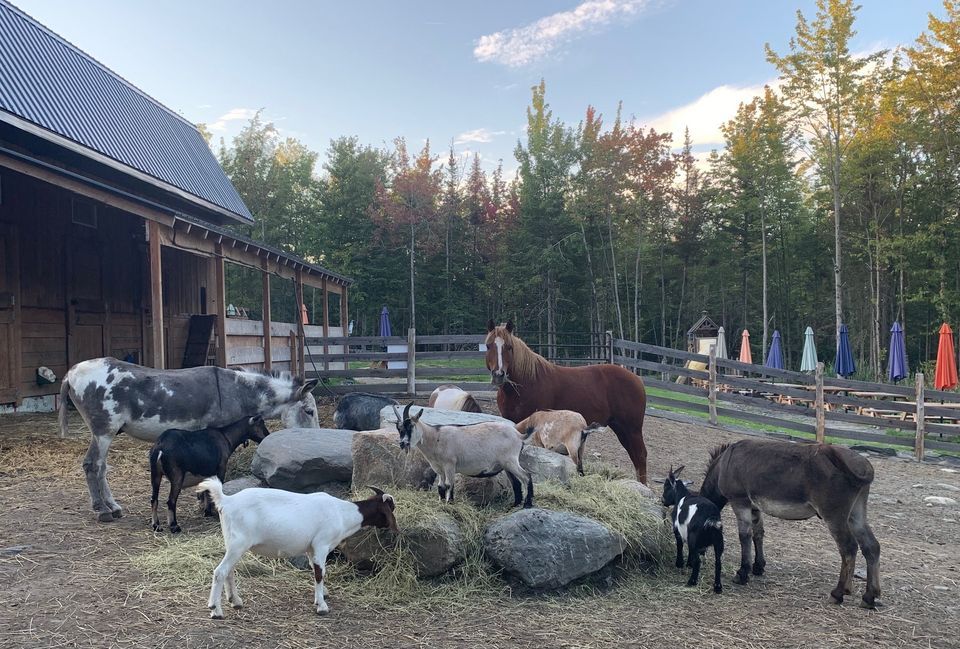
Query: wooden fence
(896, 415)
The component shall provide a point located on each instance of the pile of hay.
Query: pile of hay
(186, 563)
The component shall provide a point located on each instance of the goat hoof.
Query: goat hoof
(868, 603)
(717, 588)
(679, 563)
(157, 528)
(215, 613)
(323, 611)
(691, 583)
(105, 517)
(836, 597)
(741, 577)
(237, 604)
(175, 529)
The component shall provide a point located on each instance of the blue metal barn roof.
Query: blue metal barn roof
(47, 81)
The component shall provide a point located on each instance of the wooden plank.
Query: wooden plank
(840, 400)
(712, 385)
(451, 371)
(156, 295)
(920, 416)
(447, 356)
(792, 377)
(863, 386)
(659, 351)
(220, 290)
(239, 327)
(819, 404)
(244, 355)
(661, 367)
(451, 339)
(298, 294)
(357, 340)
(411, 360)
(267, 339)
(363, 372)
(326, 324)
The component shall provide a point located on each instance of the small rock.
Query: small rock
(547, 549)
(918, 485)
(939, 500)
(949, 520)
(941, 588)
(14, 550)
(239, 484)
(300, 562)
(860, 573)
(304, 459)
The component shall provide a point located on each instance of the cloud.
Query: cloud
(523, 45)
(481, 135)
(704, 115)
(232, 115)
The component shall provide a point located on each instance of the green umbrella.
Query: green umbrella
(809, 361)
(721, 343)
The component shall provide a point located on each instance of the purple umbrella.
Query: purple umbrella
(385, 323)
(774, 354)
(897, 368)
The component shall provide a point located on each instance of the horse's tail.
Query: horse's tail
(214, 487)
(64, 397)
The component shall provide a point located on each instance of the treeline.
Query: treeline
(834, 199)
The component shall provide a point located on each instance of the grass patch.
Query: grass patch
(186, 563)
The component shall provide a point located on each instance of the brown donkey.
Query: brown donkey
(795, 482)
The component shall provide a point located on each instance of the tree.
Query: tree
(822, 83)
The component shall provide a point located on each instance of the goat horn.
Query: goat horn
(379, 492)
(397, 413)
(406, 411)
(677, 474)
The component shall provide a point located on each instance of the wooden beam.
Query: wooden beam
(326, 325)
(221, 298)
(156, 295)
(267, 348)
(298, 287)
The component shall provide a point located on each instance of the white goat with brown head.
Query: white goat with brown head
(479, 450)
(562, 431)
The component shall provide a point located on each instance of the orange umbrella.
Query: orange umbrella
(946, 375)
(745, 355)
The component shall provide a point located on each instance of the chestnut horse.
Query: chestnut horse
(527, 382)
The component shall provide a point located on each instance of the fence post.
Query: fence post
(819, 405)
(294, 355)
(609, 340)
(921, 418)
(412, 361)
(712, 385)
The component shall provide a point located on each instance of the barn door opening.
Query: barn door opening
(9, 315)
(86, 307)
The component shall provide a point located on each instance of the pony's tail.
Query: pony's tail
(214, 487)
(64, 397)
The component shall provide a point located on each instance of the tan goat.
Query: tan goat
(560, 431)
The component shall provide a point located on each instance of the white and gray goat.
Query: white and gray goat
(479, 450)
(278, 523)
(561, 431)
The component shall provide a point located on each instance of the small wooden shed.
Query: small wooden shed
(114, 230)
(702, 335)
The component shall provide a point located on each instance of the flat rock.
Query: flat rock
(304, 459)
(436, 417)
(239, 484)
(378, 460)
(547, 549)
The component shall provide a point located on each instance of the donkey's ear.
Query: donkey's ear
(491, 325)
(307, 387)
(510, 326)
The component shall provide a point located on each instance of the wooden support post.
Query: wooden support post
(819, 404)
(326, 326)
(411, 361)
(343, 325)
(294, 370)
(301, 335)
(609, 339)
(221, 290)
(156, 296)
(921, 419)
(267, 342)
(712, 385)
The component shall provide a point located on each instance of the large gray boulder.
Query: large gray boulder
(239, 484)
(304, 459)
(545, 465)
(436, 545)
(436, 417)
(378, 460)
(548, 549)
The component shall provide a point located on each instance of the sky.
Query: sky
(446, 71)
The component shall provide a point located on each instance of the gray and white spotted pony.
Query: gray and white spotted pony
(113, 396)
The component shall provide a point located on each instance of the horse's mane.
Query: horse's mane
(527, 364)
(715, 457)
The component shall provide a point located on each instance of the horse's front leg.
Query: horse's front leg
(744, 516)
(95, 470)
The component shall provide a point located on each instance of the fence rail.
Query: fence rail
(809, 403)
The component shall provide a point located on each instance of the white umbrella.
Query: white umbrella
(809, 361)
(721, 343)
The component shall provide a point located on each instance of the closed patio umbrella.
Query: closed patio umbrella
(774, 354)
(722, 343)
(745, 355)
(843, 362)
(946, 375)
(897, 368)
(809, 361)
(385, 323)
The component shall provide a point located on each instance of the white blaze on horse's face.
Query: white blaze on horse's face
(499, 375)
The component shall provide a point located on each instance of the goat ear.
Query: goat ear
(399, 416)
(491, 325)
(415, 418)
(251, 421)
(379, 492)
(509, 326)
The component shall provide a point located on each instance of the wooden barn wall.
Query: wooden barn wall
(80, 287)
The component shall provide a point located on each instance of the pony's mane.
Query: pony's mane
(715, 456)
(282, 375)
(527, 364)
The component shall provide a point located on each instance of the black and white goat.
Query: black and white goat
(696, 522)
(479, 450)
(274, 522)
(185, 457)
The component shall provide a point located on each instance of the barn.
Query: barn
(118, 229)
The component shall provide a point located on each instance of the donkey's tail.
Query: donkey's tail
(64, 397)
(214, 487)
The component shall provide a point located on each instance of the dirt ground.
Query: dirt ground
(68, 581)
